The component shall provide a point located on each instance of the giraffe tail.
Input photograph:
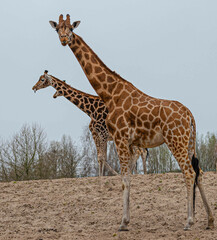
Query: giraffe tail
(147, 153)
(195, 165)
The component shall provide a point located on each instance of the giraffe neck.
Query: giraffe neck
(86, 102)
(105, 82)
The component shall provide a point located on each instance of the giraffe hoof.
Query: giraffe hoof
(187, 228)
(210, 223)
(122, 229)
(210, 227)
(190, 222)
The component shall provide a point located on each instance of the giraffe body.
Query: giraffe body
(95, 108)
(136, 119)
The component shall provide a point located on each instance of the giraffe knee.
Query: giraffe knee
(200, 178)
(189, 177)
(126, 182)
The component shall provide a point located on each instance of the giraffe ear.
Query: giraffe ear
(53, 24)
(75, 24)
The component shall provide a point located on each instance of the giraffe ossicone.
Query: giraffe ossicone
(137, 119)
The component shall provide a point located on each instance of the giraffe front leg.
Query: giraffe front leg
(101, 162)
(101, 147)
(101, 156)
(135, 153)
(124, 157)
(144, 156)
(126, 202)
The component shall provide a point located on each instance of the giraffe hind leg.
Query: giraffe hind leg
(198, 182)
(189, 179)
(182, 157)
(210, 224)
(135, 153)
(110, 168)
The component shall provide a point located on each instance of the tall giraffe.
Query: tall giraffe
(95, 108)
(136, 119)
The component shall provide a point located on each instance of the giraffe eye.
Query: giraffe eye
(42, 79)
(57, 30)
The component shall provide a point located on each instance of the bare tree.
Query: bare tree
(89, 164)
(27, 156)
(3, 170)
(22, 153)
(206, 151)
(69, 158)
(52, 159)
(60, 160)
(216, 158)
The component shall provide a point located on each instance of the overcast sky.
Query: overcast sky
(166, 48)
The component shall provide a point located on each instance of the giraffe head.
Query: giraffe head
(43, 82)
(64, 29)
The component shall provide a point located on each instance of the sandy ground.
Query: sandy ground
(91, 208)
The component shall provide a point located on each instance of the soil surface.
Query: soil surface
(91, 208)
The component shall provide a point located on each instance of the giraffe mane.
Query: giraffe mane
(67, 23)
(103, 64)
(79, 91)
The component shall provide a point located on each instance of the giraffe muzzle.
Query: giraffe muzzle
(64, 40)
(64, 43)
(34, 89)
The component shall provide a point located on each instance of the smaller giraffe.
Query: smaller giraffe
(94, 107)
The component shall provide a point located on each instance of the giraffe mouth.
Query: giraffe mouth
(64, 43)
(34, 89)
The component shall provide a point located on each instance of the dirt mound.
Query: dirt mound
(91, 208)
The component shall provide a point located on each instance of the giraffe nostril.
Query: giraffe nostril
(64, 43)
